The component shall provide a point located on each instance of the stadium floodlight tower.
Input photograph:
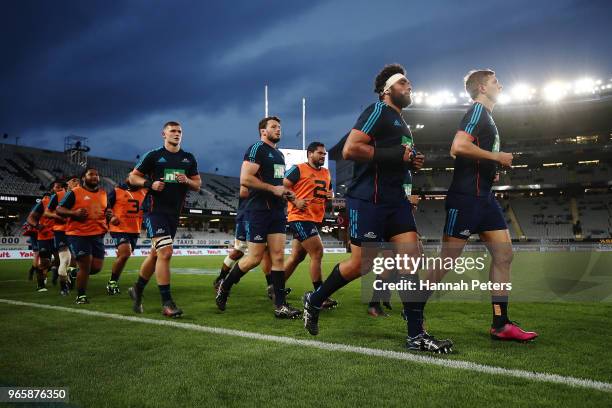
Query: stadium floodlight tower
(76, 149)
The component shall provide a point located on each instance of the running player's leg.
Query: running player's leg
(298, 254)
(240, 247)
(499, 245)
(147, 269)
(84, 265)
(44, 263)
(54, 265)
(64, 261)
(364, 226)
(276, 249)
(124, 251)
(253, 257)
(230, 260)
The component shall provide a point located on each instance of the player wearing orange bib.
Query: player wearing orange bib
(86, 209)
(66, 260)
(126, 202)
(311, 184)
(44, 227)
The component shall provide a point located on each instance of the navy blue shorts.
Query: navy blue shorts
(467, 215)
(33, 241)
(46, 248)
(240, 231)
(370, 222)
(125, 237)
(159, 224)
(90, 245)
(302, 230)
(259, 223)
(60, 240)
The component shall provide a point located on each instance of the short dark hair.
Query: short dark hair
(73, 176)
(314, 146)
(171, 123)
(387, 72)
(86, 170)
(474, 79)
(57, 181)
(264, 122)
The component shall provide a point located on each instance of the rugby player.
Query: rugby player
(86, 209)
(381, 146)
(262, 172)
(126, 202)
(44, 235)
(67, 262)
(168, 173)
(471, 207)
(311, 184)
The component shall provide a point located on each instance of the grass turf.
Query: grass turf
(116, 363)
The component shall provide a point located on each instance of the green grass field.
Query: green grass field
(116, 363)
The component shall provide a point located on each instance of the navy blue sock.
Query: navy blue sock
(334, 282)
(500, 311)
(233, 277)
(141, 283)
(268, 279)
(414, 306)
(164, 291)
(81, 292)
(278, 281)
(317, 284)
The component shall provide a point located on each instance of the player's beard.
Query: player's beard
(91, 186)
(273, 138)
(401, 100)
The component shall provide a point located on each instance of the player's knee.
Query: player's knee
(164, 254)
(353, 266)
(94, 270)
(503, 257)
(316, 254)
(163, 247)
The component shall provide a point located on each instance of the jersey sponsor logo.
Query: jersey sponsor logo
(397, 123)
(279, 171)
(465, 233)
(370, 235)
(170, 175)
(185, 160)
(270, 155)
(87, 198)
(162, 160)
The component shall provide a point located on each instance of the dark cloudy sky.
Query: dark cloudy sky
(116, 71)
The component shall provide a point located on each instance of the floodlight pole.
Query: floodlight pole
(266, 101)
(303, 123)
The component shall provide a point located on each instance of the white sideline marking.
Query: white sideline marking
(395, 355)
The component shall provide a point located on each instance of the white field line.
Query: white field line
(345, 348)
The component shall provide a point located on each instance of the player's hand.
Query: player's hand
(279, 191)
(115, 220)
(81, 214)
(158, 185)
(408, 154)
(181, 178)
(289, 196)
(301, 204)
(505, 159)
(418, 161)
